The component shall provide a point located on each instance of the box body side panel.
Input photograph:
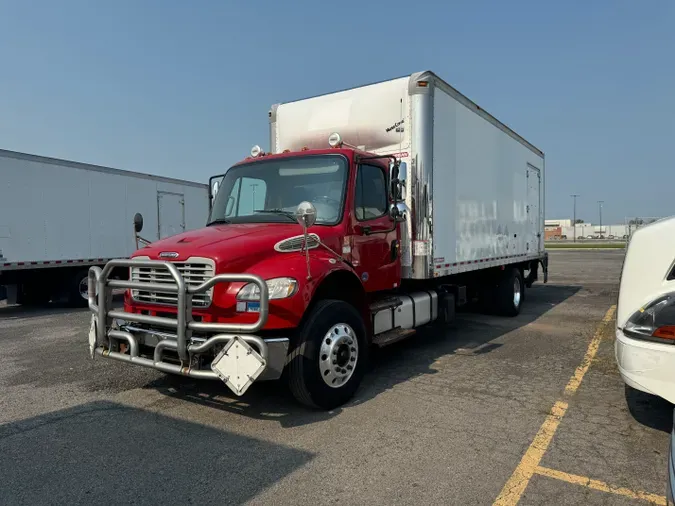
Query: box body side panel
(487, 205)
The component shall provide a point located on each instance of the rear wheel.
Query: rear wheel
(329, 356)
(510, 292)
(78, 295)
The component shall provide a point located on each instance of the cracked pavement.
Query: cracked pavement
(443, 418)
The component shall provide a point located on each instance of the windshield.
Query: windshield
(270, 190)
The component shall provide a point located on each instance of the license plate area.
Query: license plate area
(238, 365)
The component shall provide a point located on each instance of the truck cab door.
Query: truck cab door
(375, 241)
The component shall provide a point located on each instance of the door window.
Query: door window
(371, 193)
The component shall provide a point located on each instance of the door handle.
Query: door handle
(364, 229)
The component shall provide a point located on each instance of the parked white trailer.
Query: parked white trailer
(474, 188)
(58, 218)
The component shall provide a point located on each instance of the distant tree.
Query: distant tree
(636, 221)
(579, 221)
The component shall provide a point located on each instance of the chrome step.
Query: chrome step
(392, 336)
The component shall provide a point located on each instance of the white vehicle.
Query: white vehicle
(58, 218)
(645, 319)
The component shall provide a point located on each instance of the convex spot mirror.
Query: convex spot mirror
(138, 222)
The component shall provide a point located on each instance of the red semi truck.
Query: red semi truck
(377, 211)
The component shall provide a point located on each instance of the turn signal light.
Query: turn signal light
(665, 332)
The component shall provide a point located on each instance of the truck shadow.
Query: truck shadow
(472, 334)
(649, 410)
(108, 453)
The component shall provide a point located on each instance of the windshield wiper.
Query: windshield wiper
(289, 214)
(219, 221)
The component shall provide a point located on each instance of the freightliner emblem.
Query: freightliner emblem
(168, 254)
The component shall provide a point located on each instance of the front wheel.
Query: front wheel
(328, 358)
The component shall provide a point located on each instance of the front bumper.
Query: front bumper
(646, 366)
(227, 351)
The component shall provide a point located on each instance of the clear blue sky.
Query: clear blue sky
(183, 88)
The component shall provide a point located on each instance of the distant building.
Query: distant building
(563, 229)
(557, 223)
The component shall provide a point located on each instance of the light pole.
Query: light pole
(600, 202)
(574, 219)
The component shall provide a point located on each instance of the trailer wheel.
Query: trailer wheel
(77, 289)
(510, 292)
(329, 356)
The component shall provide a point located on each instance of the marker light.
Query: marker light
(256, 151)
(334, 140)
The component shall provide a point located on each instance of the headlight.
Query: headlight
(655, 321)
(279, 288)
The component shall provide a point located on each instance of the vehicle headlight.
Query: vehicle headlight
(654, 321)
(279, 288)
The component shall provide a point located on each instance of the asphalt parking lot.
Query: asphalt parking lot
(529, 410)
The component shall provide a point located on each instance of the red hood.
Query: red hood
(234, 247)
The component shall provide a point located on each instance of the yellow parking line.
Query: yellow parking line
(517, 483)
(600, 485)
(575, 381)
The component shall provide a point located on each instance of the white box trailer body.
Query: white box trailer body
(56, 214)
(474, 187)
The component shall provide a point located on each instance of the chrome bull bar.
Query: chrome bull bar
(100, 303)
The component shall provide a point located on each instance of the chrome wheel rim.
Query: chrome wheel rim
(84, 288)
(338, 355)
(516, 292)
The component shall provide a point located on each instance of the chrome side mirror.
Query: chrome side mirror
(397, 176)
(305, 214)
(395, 213)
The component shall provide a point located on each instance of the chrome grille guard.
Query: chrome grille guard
(100, 303)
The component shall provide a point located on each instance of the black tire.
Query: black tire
(304, 374)
(34, 295)
(507, 302)
(74, 296)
